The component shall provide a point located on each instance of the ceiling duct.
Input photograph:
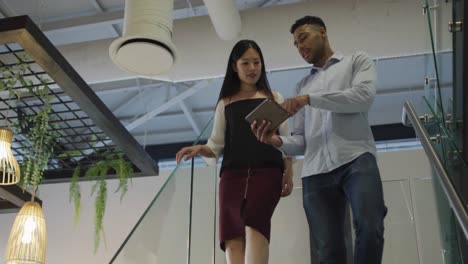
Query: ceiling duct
(145, 47)
(225, 18)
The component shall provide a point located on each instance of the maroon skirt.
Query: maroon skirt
(247, 198)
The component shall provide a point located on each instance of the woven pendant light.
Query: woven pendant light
(9, 168)
(27, 242)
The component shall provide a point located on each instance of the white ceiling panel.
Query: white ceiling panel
(46, 10)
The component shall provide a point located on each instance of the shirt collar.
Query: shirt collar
(335, 58)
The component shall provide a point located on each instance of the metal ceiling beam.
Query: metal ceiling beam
(157, 138)
(174, 114)
(190, 7)
(116, 17)
(99, 8)
(128, 100)
(107, 90)
(23, 31)
(148, 116)
(132, 100)
(97, 90)
(106, 18)
(97, 5)
(268, 3)
(189, 116)
(140, 121)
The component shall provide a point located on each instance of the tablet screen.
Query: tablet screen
(268, 110)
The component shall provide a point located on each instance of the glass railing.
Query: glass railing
(166, 230)
(452, 237)
(181, 223)
(439, 84)
(440, 113)
(448, 179)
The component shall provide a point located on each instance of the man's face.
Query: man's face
(310, 42)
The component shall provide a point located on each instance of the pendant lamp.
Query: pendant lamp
(27, 242)
(9, 168)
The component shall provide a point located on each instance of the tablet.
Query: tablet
(268, 110)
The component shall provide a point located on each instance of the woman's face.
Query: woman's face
(249, 67)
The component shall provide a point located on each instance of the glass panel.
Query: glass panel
(432, 79)
(447, 150)
(204, 240)
(449, 227)
(426, 218)
(400, 231)
(439, 69)
(162, 234)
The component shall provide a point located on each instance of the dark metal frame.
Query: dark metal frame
(21, 30)
(87, 129)
(460, 93)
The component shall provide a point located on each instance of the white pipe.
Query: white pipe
(225, 18)
(146, 46)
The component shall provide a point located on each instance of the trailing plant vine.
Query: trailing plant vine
(75, 194)
(40, 134)
(98, 172)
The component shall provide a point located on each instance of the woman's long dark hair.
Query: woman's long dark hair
(231, 84)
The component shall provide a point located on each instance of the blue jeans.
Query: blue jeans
(325, 197)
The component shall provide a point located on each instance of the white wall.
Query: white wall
(382, 28)
(411, 226)
(68, 245)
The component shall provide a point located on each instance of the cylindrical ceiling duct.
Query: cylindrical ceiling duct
(225, 18)
(145, 47)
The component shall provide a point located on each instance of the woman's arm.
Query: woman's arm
(215, 144)
(287, 184)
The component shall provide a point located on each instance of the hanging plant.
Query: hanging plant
(75, 194)
(98, 172)
(41, 135)
(42, 138)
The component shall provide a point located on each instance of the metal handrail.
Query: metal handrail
(452, 196)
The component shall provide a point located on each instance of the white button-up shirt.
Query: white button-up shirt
(334, 129)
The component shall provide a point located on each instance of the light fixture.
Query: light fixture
(27, 242)
(9, 168)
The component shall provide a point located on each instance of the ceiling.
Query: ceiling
(175, 114)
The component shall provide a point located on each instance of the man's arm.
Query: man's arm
(294, 144)
(357, 98)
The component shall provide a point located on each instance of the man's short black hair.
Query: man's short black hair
(310, 20)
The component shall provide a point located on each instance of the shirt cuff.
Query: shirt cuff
(314, 99)
(284, 147)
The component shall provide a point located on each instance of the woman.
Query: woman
(253, 175)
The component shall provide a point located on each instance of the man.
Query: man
(331, 130)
